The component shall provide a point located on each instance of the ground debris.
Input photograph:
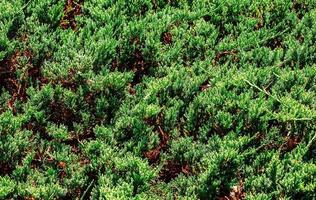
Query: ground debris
(236, 193)
(71, 10)
(172, 169)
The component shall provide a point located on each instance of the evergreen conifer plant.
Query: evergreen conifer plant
(158, 99)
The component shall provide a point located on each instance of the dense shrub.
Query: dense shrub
(157, 99)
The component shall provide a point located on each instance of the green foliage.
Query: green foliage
(157, 99)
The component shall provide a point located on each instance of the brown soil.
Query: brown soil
(72, 9)
(275, 43)
(17, 86)
(134, 62)
(60, 114)
(166, 38)
(219, 55)
(172, 169)
(291, 143)
(299, 8)
(5, 169)
(8, 78)
(153, 155)
(205, 85)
